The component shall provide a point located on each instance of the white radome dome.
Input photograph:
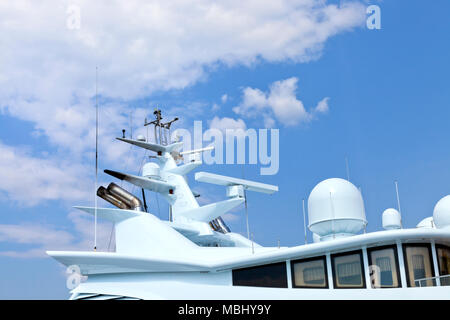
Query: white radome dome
(141, 138)
(151, 170)
(336, 209)
(426, 223)
(391, 219)
(441, 213)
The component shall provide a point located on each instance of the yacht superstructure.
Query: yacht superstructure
(194, 255)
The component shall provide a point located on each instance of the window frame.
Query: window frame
(293, 262)
(283, 263)
(391, 246)
(405, 259)
(441, 246)
(333, 268)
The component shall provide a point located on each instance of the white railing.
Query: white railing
(419, 281)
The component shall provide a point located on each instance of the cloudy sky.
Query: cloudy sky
(310, 68)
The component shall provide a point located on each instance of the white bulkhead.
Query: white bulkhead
(336, 209)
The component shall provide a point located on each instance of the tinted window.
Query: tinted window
(270, 275)
(418, 265)
(348, 270)
(443, 254)
(309, 273)
(384, 267)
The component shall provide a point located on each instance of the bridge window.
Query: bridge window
(309, 273)
(270, 275)
(348, 270)
(419, 266)
(443, 254)
(383, 263)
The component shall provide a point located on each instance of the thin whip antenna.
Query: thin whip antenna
(131, 124)
(246, 208)
(347, 168)
(398, 198)
(96, 156)
(246, 214)
(253, 247)
(304, 220)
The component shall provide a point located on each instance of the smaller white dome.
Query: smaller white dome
(441, 213)
(426, 223)
(151, 170)
(141, 138)
(391, 219)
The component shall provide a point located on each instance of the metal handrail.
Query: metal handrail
(431, 278)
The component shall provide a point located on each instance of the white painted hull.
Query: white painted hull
(200, 286)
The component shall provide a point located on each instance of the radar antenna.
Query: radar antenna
(161, 129)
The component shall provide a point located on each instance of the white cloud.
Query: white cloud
(225, 123)
(322, 106)
(141, 45)
(48, 70)
(280, 103)
(32, 234)
(29, 180)
(231, 217)
(215, 107)
(48, 237)
(224, 98)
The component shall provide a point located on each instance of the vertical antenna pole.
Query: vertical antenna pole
(131, 125)
(398, 198)
(246, 214)
(304, 220)
(246, 207)
(96, 156)
(145, 124)
(253, 247)
(170, 138)
(347, 168)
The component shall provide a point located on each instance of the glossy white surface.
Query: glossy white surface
(391, 219)
(336, 207)
(441, 213)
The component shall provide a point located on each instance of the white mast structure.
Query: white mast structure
(194, 255)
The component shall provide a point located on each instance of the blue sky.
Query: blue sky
(388, 111)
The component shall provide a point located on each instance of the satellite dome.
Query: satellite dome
(141, 138)
(441, 213)
(391, 219)
(336, 209)
(426, 223)
(151, 170)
